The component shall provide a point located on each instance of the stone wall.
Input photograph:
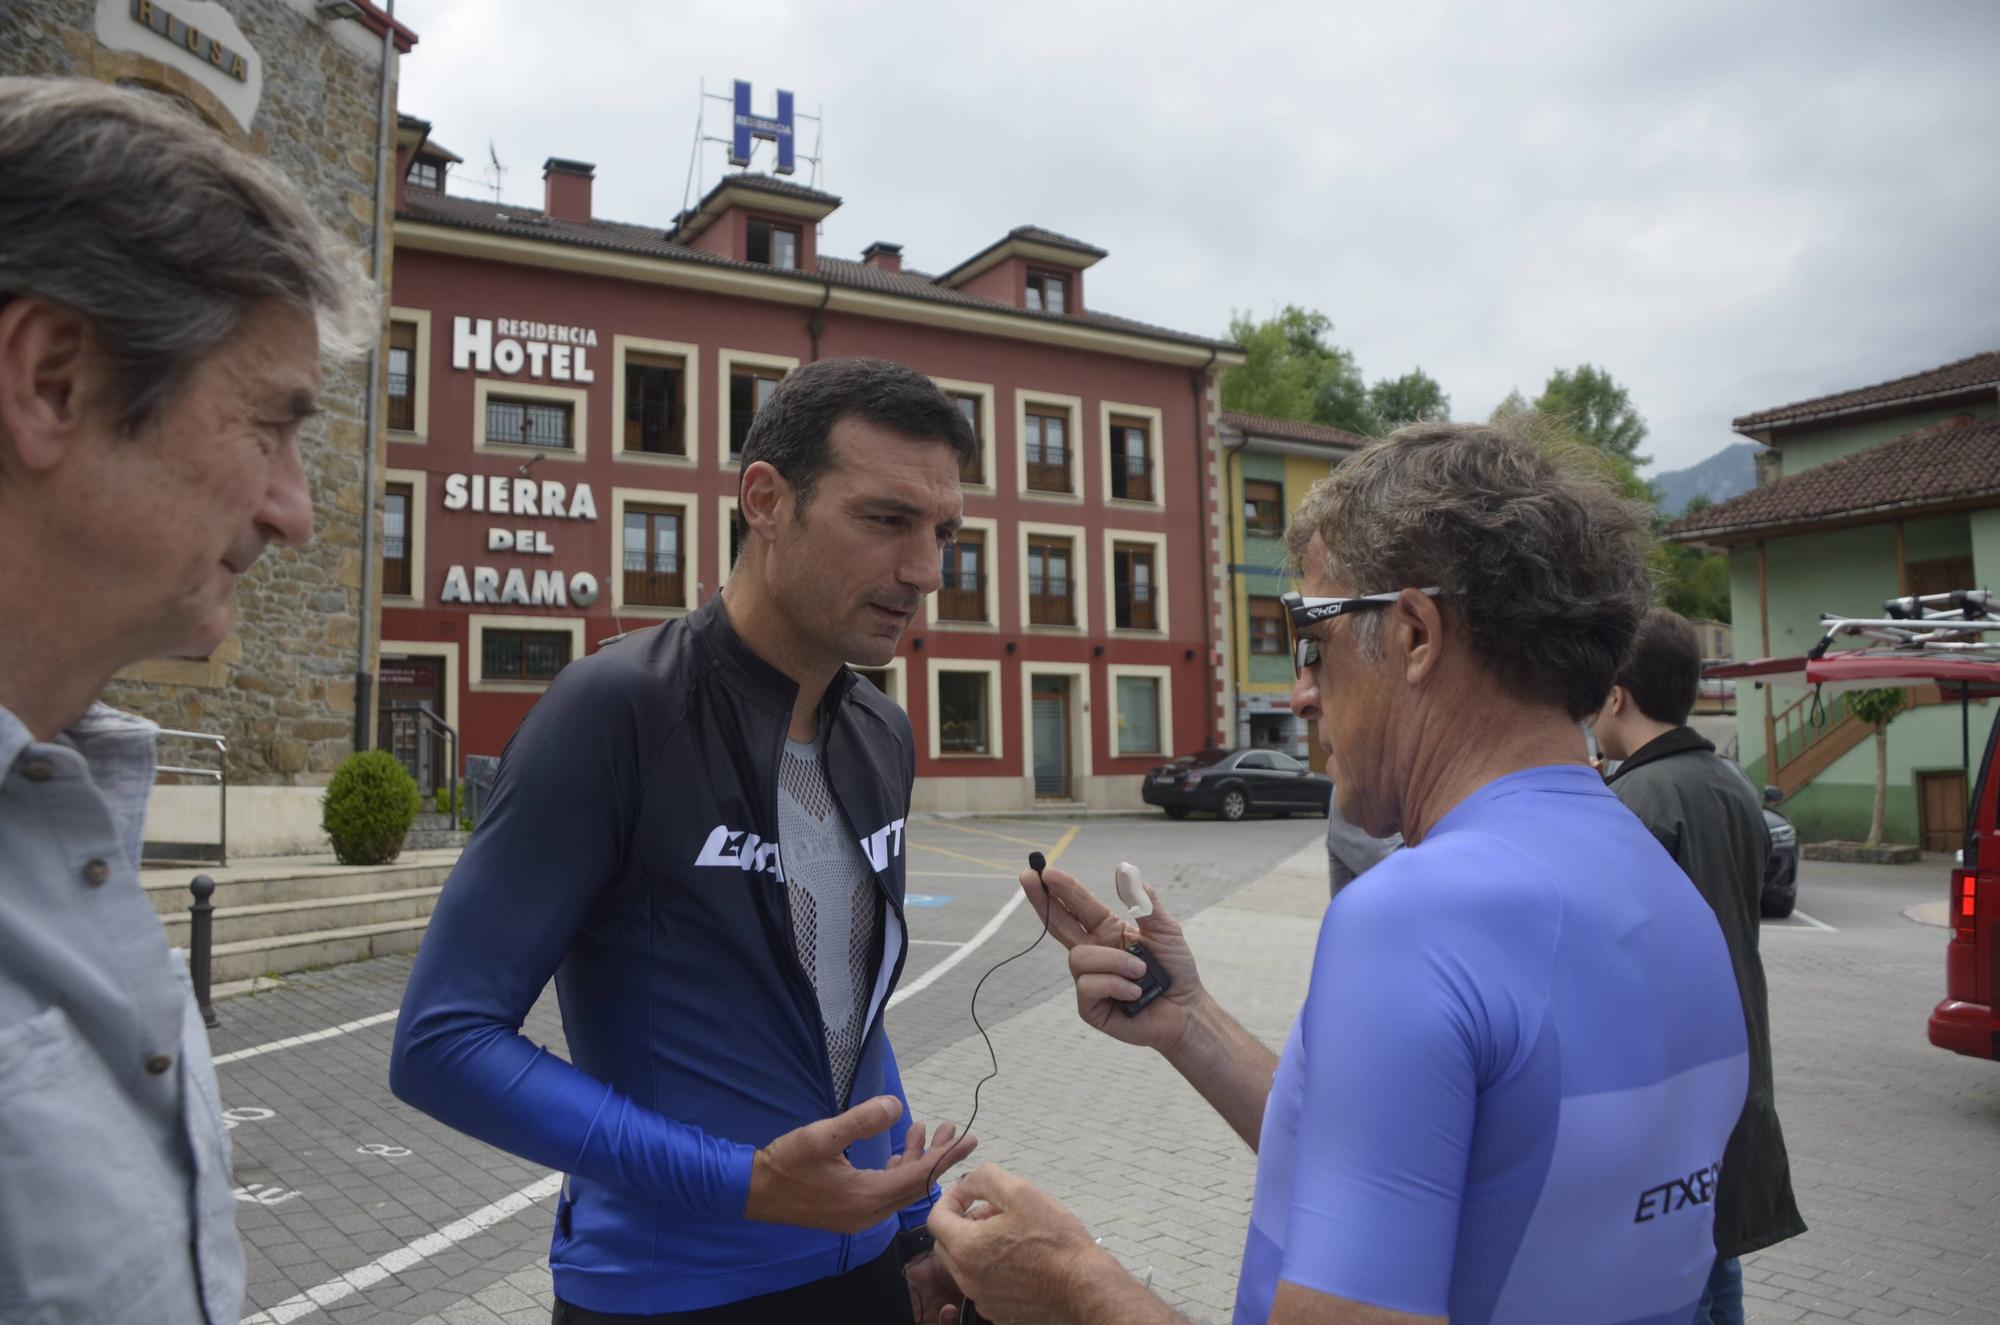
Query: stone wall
(281, 688)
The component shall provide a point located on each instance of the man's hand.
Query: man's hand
(1013, 1250)
(1105, 973)
(803, 1177)
(932, 1289)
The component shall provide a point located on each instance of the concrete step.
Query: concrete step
(436, 839)
(269, 883)
(236, 924)
(327, 947)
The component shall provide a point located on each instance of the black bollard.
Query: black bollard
(201, 933)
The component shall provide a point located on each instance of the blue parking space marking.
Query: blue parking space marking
(927, 899)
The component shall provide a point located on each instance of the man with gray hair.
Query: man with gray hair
(1510, 1085)
(164, 301)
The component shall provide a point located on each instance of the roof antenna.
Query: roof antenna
(495, 173)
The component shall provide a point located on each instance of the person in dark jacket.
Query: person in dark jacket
(698, 833)
(1705, 812)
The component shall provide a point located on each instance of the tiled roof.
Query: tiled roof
(1293, 430)
(1036, 234)
(768, 184)
(649, 241)
(1948, 462)
(1981, 370)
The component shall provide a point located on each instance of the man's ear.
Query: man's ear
(1416, 622)
(763, 498)
(45, 386)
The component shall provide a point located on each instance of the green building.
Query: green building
(1862, 495)
(1267, 466)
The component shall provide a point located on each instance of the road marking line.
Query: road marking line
(959, 855)
(310, 1038)
(986, 931)
(936, 943)
(325, 1295)
(957, 874)
(1810, 923)
(987, 832)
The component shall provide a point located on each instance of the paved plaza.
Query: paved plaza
(355, 1208)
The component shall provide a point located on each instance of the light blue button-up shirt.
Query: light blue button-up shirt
(115, 1195)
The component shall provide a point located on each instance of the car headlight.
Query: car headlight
(1785, 836)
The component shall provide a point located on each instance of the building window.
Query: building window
(427, 173)
(1138, 700)
(403, 376)
(972, 468)
(523, 655)
(1048, 451)
(396, 539)
(1267, 626)
(1131, 461)
(1263, 507)
(529, 422)
(962, 597)
(655, 404)
(774, 245)
(653, 568)
(1134, 587)
(964, 713)
(1051, 586)
(1048, 292)
(749, 389)
(1941, 576)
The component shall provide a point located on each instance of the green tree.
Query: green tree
(1590, 401)
(1415, 397)
(1291, 371)
(1877, 708)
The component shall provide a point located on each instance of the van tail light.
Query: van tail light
(1964, 904)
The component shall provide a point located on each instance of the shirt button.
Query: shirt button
(96, 872)
(158, 1063)
(38, 770)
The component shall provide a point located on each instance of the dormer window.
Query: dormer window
(774, 245)
(1048, 292)
(427, 173)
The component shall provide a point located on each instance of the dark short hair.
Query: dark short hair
(793, 430)
(1535, 551)
(1664, 669)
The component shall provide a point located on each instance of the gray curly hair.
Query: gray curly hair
(127, 209)
(1536, 551)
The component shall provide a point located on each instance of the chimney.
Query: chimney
(567, 184)
(883, 256)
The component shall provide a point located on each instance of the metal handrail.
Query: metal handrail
(434, 725)
(219, 775)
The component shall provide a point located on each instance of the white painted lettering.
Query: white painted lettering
(454, 492)
(559, 362)
(582, 373)
(552, 499)
(549, 590)
(485, 584)
(582, 506)
(516, 589)
(538, 353)
(525, 492)
(499, 540)
(456, 590)
(499, 495)
(472, 344)
(507, 356)
(583, 588)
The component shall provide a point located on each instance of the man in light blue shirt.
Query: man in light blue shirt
(151, 397)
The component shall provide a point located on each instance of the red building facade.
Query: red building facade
(566, 396)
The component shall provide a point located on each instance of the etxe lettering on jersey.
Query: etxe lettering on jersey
(1697, 1188)
(753, 855)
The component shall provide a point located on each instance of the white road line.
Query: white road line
(1810, 923)
(986, 931)
(956, 874)
(325, 1295)
(936, 943)
(310, 1038)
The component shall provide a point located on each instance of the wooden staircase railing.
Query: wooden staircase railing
(1803, 744)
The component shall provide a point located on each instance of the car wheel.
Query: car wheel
(1235, 804)
(1175, 812)
(1779, 905)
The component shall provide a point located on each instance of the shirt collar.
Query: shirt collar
(1678, 741)
(118, 752)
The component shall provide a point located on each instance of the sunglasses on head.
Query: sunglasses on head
(1301, 612)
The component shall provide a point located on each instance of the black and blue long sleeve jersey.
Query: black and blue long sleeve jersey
(631, 852)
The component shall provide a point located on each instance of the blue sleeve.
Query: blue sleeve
(567, 794)
(918, 1212)
(1395, 1039)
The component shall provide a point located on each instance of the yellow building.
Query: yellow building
(1267, 466)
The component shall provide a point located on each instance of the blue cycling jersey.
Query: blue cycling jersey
(1507, 1095)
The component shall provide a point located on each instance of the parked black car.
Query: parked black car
(1233, 783)
(1781, 869)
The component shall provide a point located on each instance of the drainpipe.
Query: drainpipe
(1197, 381)
(817, 323)
(364, 674)
(1232, 464)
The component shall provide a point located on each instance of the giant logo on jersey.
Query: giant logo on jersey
(750, 853)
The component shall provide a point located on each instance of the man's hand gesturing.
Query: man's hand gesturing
(803, 1177)
(1096, 937)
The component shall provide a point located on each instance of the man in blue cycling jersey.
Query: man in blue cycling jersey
(698, 834)
(1507, 1095)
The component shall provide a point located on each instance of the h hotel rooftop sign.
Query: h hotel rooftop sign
(747, 126)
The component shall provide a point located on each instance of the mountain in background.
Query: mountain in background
(1727, 473)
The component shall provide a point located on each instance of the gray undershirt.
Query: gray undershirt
(836, 912)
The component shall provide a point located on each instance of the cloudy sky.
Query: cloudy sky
(1728, 204)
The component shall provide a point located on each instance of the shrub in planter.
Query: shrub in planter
(368, 808)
